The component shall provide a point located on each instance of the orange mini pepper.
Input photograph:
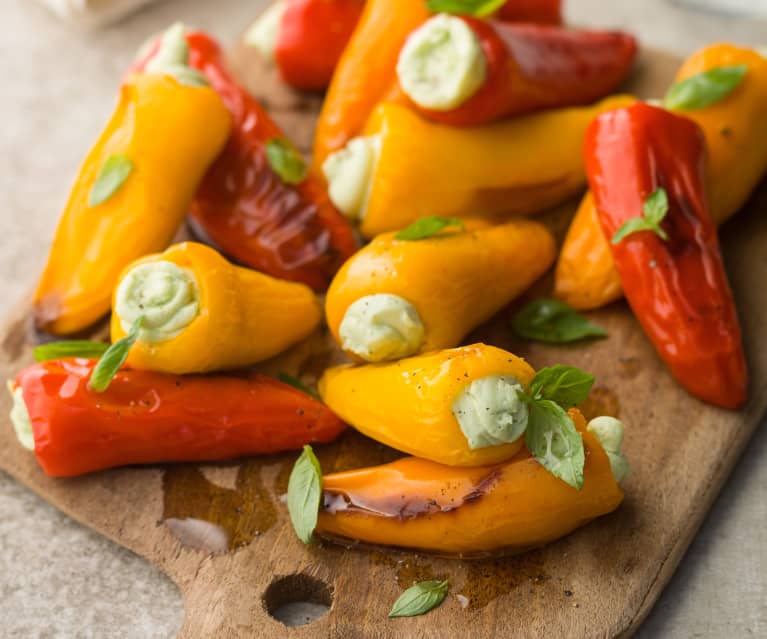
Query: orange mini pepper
(418, 504)
(411, 404)
(449, 283)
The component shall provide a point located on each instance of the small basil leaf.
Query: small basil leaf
(565, 385)
(553, 440)
(304, 494)
(477, 8)
(655, 206)
(296, 383)
(554, 322)
(426, 227)
(419, 599)
(111, 177)
(654, 210)
(701, 90)
(113, 358)
(69, 348)
(285, 161)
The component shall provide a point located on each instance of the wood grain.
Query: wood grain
(599, 582)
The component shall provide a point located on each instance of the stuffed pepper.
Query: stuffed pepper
(511, 507)
(405, 293)
(405, 167)
(646, 171)
(304, 39)
(145, 417)
(463, 71)
(258, 203)
(135, 186)
(461, 407)
(200, 313)
(736, 139)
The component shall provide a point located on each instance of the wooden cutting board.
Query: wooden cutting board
(222, 533)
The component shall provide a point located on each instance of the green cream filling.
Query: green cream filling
(165, 294)
(20, 418)
(381, 327)
(349, 173)
(442, 64)
(172, 58)
(262, 35)
(490, 412)
(609, 432)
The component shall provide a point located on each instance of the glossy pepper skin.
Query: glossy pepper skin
(171, 133)
(537, 11)
(421, 505)
(456, 281)
(146, 418)
(678, 289)
(244, 316)
(512, 167)
(416, 415)
(736, 139)
(365, 73)
(532, 67)
(290, 231)
(312, 37)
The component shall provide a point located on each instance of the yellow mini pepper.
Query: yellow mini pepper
(398, 297)
(459, 407)
(514, 506)
(736, 137)
(405, 167)
(201, 313)
(134, 187)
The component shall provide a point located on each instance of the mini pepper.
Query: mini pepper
(736, 139)
(396, 297)
(513, 506)
(459, 407)
(146, 417)
(305, 38)
(202, 313)
(464, 71)
(405, 167)
(134, 188)
(674, 278)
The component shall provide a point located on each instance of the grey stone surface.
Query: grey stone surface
(57, 579)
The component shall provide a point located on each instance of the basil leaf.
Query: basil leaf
(553, 322)
(285, 161)
(113, 358)
(565, 385)
(304, 494)
(426, 227)
(69, 348)
(477, 8)
(113, 173)
(419, 599)
(554, 442)
(655, 206)
(654, 210)
(297, 383)
(701, 90)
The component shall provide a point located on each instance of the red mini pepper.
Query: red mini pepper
(532, 66)
(677, 287)
(145, 417)
(311, 39)
(290, 231)
(537, 11)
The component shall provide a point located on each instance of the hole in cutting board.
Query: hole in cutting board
(296, 600)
